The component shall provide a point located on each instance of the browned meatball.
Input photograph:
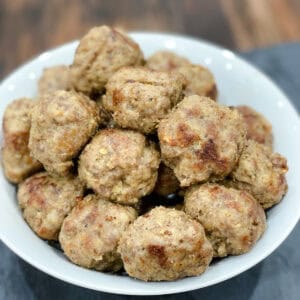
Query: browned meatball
(62, 123)
(46, 201)
(261, 173)
(54, 79)
(16, 159)
(166, 61)
(119, 165)
(233, 220)
(167, 183)
(198, 79)
(258, 127)
(201, 140)
(139, 98)
(101, 52)
(90, 234)
(164, 244)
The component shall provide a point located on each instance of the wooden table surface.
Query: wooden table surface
(28, 27)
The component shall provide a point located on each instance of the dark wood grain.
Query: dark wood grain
(259, 23)
(28, 27)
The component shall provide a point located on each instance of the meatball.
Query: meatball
(166, 61)
(233, 220)
(119, 165)
(139, 98)
(201, 140)
(258, 127)
(198, 79)
(62, 123)
(90, 234)
(16, 159)
(155, 247)
(47, 200)
(167, 183)
(262, 173)
(101, 52)
(54, 79)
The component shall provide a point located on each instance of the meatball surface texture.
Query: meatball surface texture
(201, 140)
(262, 173)
(46, 201)
(139, 98)
(101, 52)
(90, 234)
(16, 159)
(198, 79)
(119, 165)
(233, 220)
(62, 123)
(155, 247)
(54, 79)
(259, 128)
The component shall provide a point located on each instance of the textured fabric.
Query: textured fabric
(277, 277)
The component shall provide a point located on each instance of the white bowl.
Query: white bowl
(238, 83)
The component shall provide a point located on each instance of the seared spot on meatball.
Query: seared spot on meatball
(210, 154)
(158, 252)
(18, 140)
(117, 97)
(185, 136)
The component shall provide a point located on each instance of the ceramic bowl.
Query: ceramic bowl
(238, 83)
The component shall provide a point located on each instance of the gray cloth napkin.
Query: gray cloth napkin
(277, 277)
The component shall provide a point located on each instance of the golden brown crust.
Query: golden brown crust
(201, 140)
(139, 98)
(46, 201)
(101, 52)
(119, 165)
(155, 247)
(261, 173)
(62, 123)
(259, 128)
(90, 234)
(54, 79)
(233, 220)
(16, 159)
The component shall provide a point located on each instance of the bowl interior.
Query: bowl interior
(238, 83)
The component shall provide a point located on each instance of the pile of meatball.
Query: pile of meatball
(113, 133)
